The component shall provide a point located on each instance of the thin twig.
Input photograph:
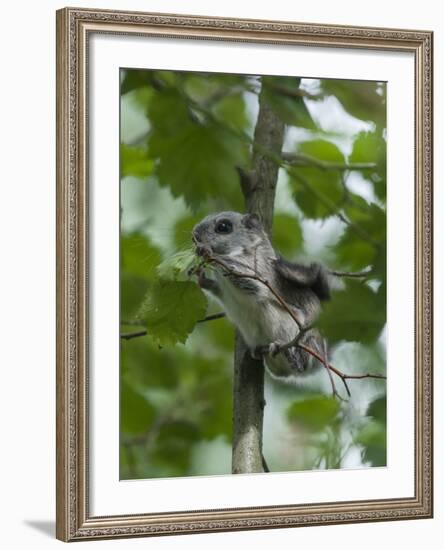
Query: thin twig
(301, 159)
(342, 375)
(254, 277)
(325, 364)
(212, 317)
(138, 333)
(130, 335)
(353, 274)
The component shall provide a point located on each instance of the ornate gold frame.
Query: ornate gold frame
(73, 519)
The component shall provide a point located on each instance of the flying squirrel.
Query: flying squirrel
(237, 244)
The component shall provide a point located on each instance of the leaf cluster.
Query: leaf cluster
(176, 398)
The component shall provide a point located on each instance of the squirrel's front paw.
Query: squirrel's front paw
(260, 352)
(273, 349)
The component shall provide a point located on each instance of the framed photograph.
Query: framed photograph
(244, 274)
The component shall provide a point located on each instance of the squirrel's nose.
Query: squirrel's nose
(196, 234)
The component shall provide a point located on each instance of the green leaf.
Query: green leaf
(198, 162)
(176, 267)
(372, 147)
(194, 156)
(368, 147)
(353, 314)
(353, 252)
(373, 438)
(207, 87)
(378, 409)
(172, 309)
(168, 113)
(318, 191)
(232, 111)
(380, 264)
(364, 243)
(287, 234)
(133, 79)
(281, 93)
(362, 99)
(136, 413)
(371, 219)
(134, 161)
(315, 412)
(356, 208)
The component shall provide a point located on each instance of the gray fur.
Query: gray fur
(250, 305)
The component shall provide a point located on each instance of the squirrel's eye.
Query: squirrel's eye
(224, 226)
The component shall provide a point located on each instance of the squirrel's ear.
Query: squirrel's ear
(252, 221)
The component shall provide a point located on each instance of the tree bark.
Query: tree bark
(259, 189)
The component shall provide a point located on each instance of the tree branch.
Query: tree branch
(259, 189)
(131, 335)
(300, 159)
(355, 274)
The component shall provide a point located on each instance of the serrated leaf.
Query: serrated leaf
(315, 412)
(364, 242)
(198, 162)
(354, 314)
(207, 87)
(232, 111)
(353, 252)
(134, 161)
(371, 147)
(196, 158)
(287, 234)
(281, 93)
(318, 191)
(378, 409)
(356, 208)
(365, 100)
(133, 79)
(368, 147)
(373, 438)
(171, 310)
(176, 267)
(380, 264)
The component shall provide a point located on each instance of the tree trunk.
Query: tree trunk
(259, 189)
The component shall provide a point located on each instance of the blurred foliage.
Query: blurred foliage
(318, 191)
(184, 138)
(314, 412)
